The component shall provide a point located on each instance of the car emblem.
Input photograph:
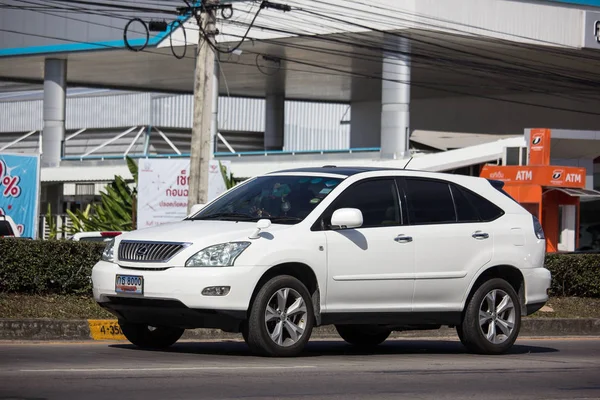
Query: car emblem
(142, 251)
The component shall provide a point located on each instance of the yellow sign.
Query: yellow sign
(105, 329)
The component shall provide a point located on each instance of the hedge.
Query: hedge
(64, 267)
(575, 275)
(47, 267)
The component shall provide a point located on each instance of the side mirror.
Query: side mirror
(347, 218)
(196, 207)
(261, 224)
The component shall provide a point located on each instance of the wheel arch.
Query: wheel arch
(509, 273)
(300, 271)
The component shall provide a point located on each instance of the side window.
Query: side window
(466, 210)
(429, 202)
(376, 199)
(487, 210)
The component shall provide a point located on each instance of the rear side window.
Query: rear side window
(486, 210)
(5, 229)
(466, 211)
(429, 202)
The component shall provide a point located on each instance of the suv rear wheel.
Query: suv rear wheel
(363, 335)
(492, 319)
(150, 337)
(281, 318)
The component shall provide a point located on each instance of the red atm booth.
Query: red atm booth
(550, 192)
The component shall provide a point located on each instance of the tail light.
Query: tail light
(110, 234)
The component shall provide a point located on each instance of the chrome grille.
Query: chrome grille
(153, 252)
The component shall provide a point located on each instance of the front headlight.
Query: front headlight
(109, 251)
(220, 255)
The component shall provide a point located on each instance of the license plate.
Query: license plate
(131, 284)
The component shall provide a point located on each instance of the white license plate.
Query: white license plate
(132, 284)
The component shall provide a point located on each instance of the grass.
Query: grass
(571, 307)
(50, 306)
(84, 307)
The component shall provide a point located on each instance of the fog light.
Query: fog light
(216, 291)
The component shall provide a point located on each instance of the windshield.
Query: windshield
(282, 199)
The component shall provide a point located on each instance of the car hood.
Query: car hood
(198, 232)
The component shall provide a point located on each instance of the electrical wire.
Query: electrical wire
(126, 41)
(182, 56)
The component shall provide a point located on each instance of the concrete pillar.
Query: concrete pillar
(55, 86)
(365, 124)
(274, 121)
(395, 100)
(214, 121)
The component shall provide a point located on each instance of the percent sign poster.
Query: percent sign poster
(19, 190)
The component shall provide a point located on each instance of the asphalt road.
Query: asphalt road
(408, 369)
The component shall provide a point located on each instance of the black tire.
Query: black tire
(148, 337)
(363, 335)
(259, 339)
(474, 335)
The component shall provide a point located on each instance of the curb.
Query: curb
(82, 330)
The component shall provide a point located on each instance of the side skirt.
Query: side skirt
(395, 321)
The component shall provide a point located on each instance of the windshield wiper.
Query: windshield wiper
(285, 219)
(229, 216)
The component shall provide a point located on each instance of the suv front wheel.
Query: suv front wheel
(281, 318)
(492, 319)
(150, 337)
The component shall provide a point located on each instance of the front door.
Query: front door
(370, 268)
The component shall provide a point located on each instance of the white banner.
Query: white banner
(163, 189)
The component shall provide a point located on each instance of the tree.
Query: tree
(116, 210)
(228, 178)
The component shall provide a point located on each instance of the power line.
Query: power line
(368, 76)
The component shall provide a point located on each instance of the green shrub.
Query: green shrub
(47, 267)
(574, 274)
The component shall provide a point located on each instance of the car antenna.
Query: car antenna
(405, 165)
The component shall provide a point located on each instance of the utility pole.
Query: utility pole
(203, 91)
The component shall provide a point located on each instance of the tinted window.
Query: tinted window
(487, 210)
(282, 199)
(465, 209)
(5, 229)
(376, 199)
(429, 202)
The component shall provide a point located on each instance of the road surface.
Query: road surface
(408, 369)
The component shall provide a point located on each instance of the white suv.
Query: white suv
(369, 250)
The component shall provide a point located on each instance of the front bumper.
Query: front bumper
(537, 284)
(176, 293)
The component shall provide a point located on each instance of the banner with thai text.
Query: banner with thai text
(163, 186)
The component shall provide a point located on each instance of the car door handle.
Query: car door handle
(480, 235)
(403, 239)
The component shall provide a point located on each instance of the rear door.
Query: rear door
(451, 241)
